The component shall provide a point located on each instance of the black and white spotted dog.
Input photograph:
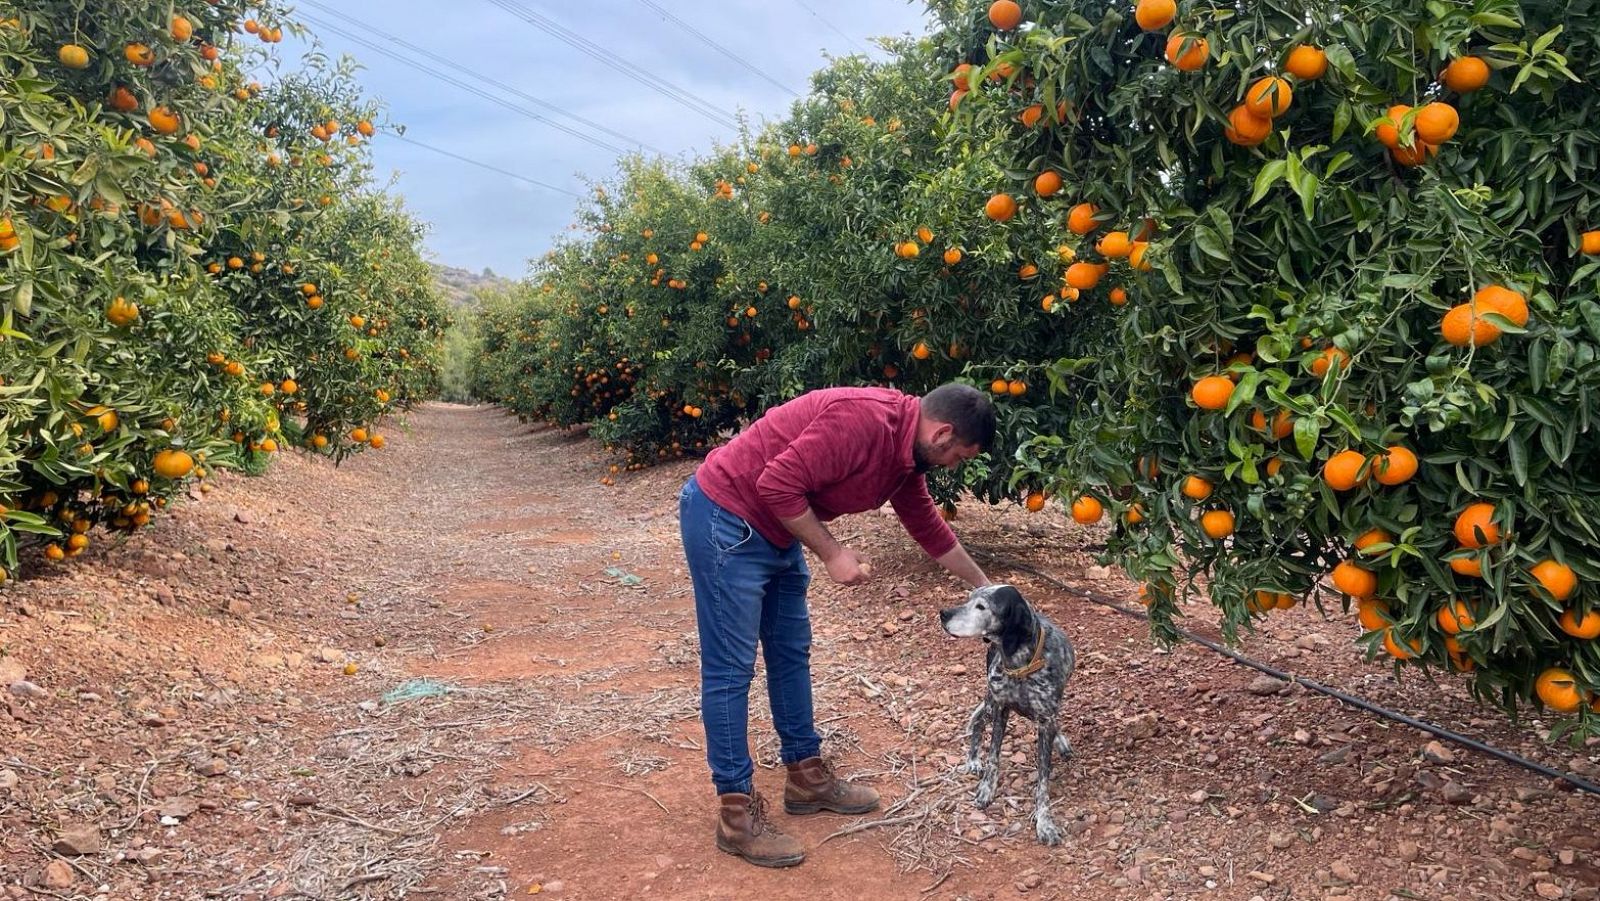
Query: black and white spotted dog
(1029, 663)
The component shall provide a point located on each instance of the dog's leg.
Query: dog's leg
(991, 769)
(1063, 748)
(975, 737)
(1043, 826)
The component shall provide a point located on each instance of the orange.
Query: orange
(1350, 578)
(1212, 392)
(1135, 515)
(1306, 63)
(1269, 97)
(1153, 15)
(1282, 423)
(998, 386)
(921, 351)
(1372, 537)
(1115, 245)
(1196, 488)
(1083, 276)
(1396, 467)
(1031, 116)
(1246, 128)
(1342, 472)
(1467, 566)
(164, 120)
(1558, 689)
(1477, 519)
(122, 100)
(1027, 271)
(1274, 466)
(925, 234)
(1388, 129)
(1587, 627)
(1557, 578)
(1465, 75)
(1217, 523)
(957, 96)
(1119, 296)
(1016, 387)
(182, 29)
(1415, 155)
(1508, 303)
(1000, 208)
(1191, 59)
(172, 464)
(1455, 617)
(1464, 326)
(1436, 123)
(1590, 242)
(1373, 614)
(952, 256)
(1410, 649)
(139, 54)
(1087, 510)
(73, 56)
(1034, 502)
(1005, 14)
(1330, 357)
(1080, 219)
(1046, 183)
(1136, 257)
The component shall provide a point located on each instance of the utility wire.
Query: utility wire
(706, 39)
(483, 165)
(609, 58)
(449, 79)
(834, 28)
(1354, 701)
(423, 51)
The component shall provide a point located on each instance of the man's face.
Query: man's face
(943, 450)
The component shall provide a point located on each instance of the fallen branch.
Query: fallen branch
(862, 827)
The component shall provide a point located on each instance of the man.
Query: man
(823, 454)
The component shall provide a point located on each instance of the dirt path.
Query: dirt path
(464, 669)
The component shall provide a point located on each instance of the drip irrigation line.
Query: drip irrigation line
(1354, 701)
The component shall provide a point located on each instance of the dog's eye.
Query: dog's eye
(981, 607)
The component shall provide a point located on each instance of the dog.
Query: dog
(1029, 663)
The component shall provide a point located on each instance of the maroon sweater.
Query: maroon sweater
(836, 450)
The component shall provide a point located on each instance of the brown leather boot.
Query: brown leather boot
(813, 787)
(745, 831)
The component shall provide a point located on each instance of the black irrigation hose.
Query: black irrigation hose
(1352, 700)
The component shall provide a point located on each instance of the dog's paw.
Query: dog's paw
(967, 767)
(1063, 748)
(985, 795)
(1046, 831)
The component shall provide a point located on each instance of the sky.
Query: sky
(485, 219)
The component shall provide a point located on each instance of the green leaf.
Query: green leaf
(1306, 432)
(1341, 119)
(1210, 242)
(1269, 175)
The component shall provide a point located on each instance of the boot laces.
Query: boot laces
(758, 816)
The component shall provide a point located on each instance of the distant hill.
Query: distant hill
(458, 286)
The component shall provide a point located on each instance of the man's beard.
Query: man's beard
(919, 460)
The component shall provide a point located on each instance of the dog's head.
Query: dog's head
(994, 613)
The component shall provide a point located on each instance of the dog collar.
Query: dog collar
(1034, 665)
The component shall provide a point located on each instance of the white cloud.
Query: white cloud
(480, 218)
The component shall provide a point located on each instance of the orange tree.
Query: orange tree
(1361, 331)
(138, 185)
(1294, 294)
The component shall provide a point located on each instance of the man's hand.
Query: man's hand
(847, 567)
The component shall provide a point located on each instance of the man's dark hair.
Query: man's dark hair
(967, 409)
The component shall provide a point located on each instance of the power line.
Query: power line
(423, 51)
(834, 28)
(688, 99)
(706, 39)
(483, 165)
(449, 79)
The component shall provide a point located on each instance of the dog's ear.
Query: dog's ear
(1016, 623)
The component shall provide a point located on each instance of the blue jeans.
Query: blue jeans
(747, 589)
